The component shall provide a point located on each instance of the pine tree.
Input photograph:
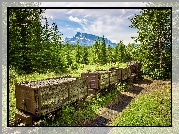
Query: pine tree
(103, 56)
(85, 55)
(130, 51)
(110, 55)
(78, 53)
(24, 39)
(67, 52)
(96, 50)
(33, 47)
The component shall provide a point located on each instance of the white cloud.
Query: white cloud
(114, 41)
(74, 29)
(75, 19)
(70, 28)
(112, 23)
(123, 11)
(51, 17)
(88, 15)
(78, 29)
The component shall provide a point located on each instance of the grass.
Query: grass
(85, 68)
(153, 109)
(15, 78)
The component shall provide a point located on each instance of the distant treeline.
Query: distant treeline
(37, 47)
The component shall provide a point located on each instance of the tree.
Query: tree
(122, 50)
(120, 53)
(130, 51)
(175, 33)
(78, 53)
(154, 28)
(91, 55)
(85, 55)
(68, 57)
(110, 54)
(103, 57)
(24, 38)
(96, 50)
(33, 46)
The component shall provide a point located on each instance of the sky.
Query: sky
(112, 23)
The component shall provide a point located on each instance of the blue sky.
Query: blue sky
(112, 23)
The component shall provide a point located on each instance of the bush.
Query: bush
(160, 74)
(74, 66)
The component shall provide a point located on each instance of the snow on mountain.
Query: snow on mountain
(87, 39)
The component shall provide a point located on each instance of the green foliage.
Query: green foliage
(96, 51)
(120, 52)
(159, 74)
(33, 47)
(151, 109)
(122, 86)
(103, 56)
(85, 55)
(154, 51)
(24, 31)
(68, 56)
(110, 57)
(130, 49)
(78, 52)
(74, 66)
(75, 114)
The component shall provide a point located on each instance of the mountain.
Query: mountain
(135, 45)
(87, 39)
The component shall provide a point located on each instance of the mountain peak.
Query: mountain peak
(87, 39)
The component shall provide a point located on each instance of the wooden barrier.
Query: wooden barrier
(37, 98)
(45, 96)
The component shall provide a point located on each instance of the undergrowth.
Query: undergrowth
(153, 109)
(83, 112)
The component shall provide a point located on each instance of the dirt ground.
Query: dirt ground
(108, 113)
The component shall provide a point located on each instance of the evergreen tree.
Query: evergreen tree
(96, 50)
(24, 39)
(130, 51)
(120, 52)
(154, 28)
(33, 47)
(116, 53)
(91, 55)
(85, 55)
(103, 57)
(110, 54)
(68, 56)
(53, 58)
(78, 53)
